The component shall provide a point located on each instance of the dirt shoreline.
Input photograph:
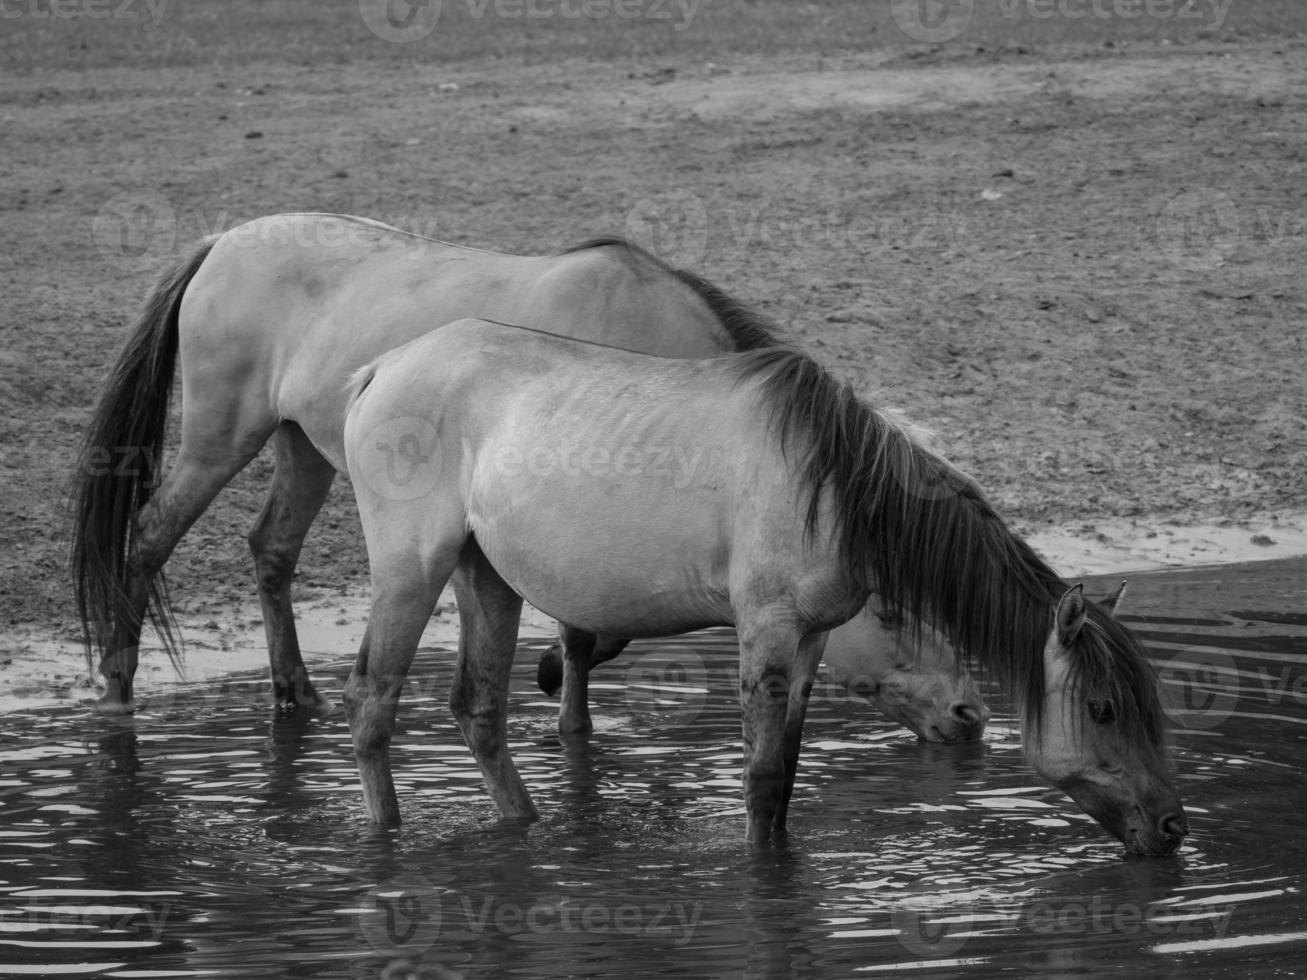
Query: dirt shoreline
(1079, 263)
(43, 670)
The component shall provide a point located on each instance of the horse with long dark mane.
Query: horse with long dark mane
(266, 323)
(793, 502)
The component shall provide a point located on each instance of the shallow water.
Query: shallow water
(207, 837)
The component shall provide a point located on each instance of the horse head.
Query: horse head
(911, 674)
(1098, 735)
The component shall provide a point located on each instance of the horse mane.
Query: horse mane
(920, 533)
(746, 328)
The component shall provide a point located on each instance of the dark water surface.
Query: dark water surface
(207, 837)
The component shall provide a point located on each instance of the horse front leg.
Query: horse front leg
(489, 615)
(767, 670)
(809, 656)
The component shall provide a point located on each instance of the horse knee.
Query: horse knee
(482, 726)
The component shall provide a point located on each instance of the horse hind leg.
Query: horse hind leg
(404, 595)
(300, 483)
(566, 667)
(190, 486)
(574, 700)
(489, 615)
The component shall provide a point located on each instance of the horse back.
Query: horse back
(288, 307)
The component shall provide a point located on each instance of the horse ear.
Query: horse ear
(1110, 601)
(1070, 615)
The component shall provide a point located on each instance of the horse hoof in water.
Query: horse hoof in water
(112, 707)
(318, 704)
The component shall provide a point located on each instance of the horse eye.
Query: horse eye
(888, 620)
(1101, 712)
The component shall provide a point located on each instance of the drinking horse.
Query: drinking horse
(528, 476)
(266, 322)
(911, 674)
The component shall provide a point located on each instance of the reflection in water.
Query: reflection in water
(214, 837)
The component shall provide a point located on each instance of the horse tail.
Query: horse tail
(118, 468)
(549, 672)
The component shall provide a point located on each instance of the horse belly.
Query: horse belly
(631, 555)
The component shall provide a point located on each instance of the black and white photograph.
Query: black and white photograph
(653, 488)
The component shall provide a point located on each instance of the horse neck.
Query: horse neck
(939, 552)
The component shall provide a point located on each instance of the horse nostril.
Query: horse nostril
(1174, 825)
(966, 714)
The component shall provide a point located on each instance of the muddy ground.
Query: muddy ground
(1072, 247)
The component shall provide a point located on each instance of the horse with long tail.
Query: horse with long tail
(532, 476)
(265, 323)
